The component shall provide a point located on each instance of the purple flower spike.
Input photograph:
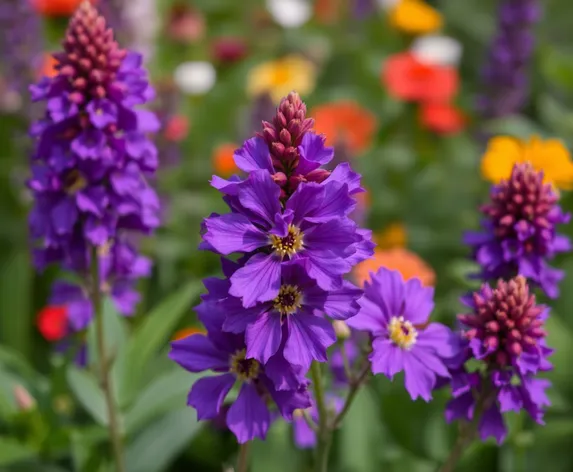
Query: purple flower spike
(92, 163)
(396, 314)
(505, 74)
(520, 234)
(505, 332)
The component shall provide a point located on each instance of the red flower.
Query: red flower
(57, 7)
(229, 49)
(177, 128)
(442, 118)
(52, 322)
(409, 79)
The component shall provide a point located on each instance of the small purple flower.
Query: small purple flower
(293, 322)
(519, 230)
(396, 314)
(312, 230)
(304, 436)
(249, 416)
(505, 333)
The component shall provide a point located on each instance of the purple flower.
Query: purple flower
(293, 322)
(93, 160)
(249, 416)
(505, 333)
(304, 436)
(519, 230)
(505, 74)
(312, 230)
(396, 314)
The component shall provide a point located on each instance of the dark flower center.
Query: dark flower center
(289, 300)
(244, 369)
(402, 332)
(74, 182)
(290, 244)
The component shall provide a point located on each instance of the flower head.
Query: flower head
(550, 156)
(520, 234)
(414, 17)
(442, 118)
(223, 159)
(408, 78)
(52, 322)
(396, 314)
(345, 123)
(407, 263)
(394, 235)
(91, 161)
(281, 76)
(56, 7)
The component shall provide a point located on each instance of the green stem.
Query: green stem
(346, 363)
(105, 378)
(243, 460)
(352, 392)
(324, 434)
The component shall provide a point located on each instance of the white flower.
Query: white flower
(290, 13)
(195, 77)
(437, 50)
(387, 4)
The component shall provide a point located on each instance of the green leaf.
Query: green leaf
(150, 336)
(88, 393)
(165, 393)
(12, 451)
(560, 338)
(160, 443)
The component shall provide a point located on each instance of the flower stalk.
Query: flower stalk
(324, 433)
(105, 379)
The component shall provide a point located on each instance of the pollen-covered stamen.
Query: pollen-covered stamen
(244, 369)
(290, 244)
(74, 182)
(289, 300)
(402, 332)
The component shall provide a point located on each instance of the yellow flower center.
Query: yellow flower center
(288, 245)
(74, 182)
(244, 369)
(402, 332)
(289, 300)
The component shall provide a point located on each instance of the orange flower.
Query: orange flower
(223, 160)
(442, 118)
(409, 79)
(394, 235)
(327, 11)
(52, 322)
(410, 265)
(48, 66)
(177, 128)
(186, 332)
(57, 7)
(347, 122)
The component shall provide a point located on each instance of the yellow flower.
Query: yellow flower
(280, 77)
(394, 235)
(549, 156)
(415, 17)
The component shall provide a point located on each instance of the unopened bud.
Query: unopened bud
(341, 329)
(23, 398)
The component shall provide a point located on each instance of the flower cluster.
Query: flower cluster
(519, 230)
(90, 165)
(504, 330)
(289, 224)
(505, 73)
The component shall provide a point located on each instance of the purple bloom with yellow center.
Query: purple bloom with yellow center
(249, 416)
(312, 230)
(505, 332)
(293, 319)
(519, 230)
(396, 313)
(93, 159)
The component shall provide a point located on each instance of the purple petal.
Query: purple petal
(461, 407)
(308, 338)
(281, 373)
(258, 281)
(304, 437)
(197, 353)
(233, 233)
(325, 267)
(260, 194)
(491, 424)
(237, 316)
(440, 339)
(254, 155)
(208, 393)
(248, 417)
(264, 336)
(342, 304)
(386, 358)
(370, 317)
(418, 300)
(419, 380)
(344, 174)
(313, 153)
(64, 216)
